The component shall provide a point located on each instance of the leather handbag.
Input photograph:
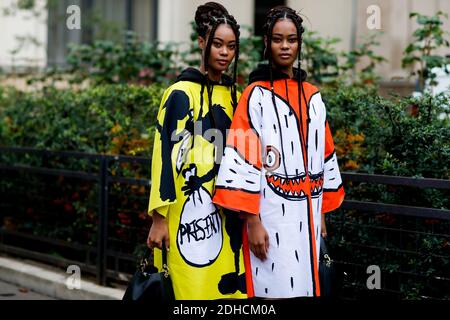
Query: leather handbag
(150, 285)
(327, 272)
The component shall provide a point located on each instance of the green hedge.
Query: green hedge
(113, 119)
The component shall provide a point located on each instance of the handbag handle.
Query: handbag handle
(324, 252)
(165, 266)
(145, 260)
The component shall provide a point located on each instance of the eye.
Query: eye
(232, 46)
(272, 159)
(293, 40)
(276, 40)
(217, 44)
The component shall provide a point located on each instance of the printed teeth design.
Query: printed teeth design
(290, 188)
(295, 188)
(316, 184)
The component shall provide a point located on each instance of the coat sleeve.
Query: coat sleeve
(173, 139)
(238, 182)
(333, 190)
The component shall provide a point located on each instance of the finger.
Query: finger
(255, 251)
(157, 244)
(252, 249)
(167, 243)
(260, 254)
(267, 243)
(262, 249)
(149, 242)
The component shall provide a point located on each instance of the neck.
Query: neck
(287, 70)
(212, 74)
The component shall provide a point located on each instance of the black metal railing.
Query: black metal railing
(410, 243)
(111, 194)
(393, 208)
(16, 164)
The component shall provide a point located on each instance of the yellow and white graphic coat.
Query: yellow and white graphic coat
(205, 257)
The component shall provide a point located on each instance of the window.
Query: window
(261, 9)
(101, 19)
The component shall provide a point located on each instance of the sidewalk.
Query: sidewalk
(14, 292)
(51, 282)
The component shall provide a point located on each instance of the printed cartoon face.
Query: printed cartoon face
(282, 154)
(282, 148)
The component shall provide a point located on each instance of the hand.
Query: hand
(324, 227)
(258, 238)
(159, 232)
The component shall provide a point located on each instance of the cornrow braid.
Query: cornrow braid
(204, 15)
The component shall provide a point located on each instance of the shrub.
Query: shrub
(113, 119)
(133, 61)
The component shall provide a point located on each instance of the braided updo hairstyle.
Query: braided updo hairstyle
(208, 18)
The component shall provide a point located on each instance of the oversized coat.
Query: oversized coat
(205, 258)
(280, 163)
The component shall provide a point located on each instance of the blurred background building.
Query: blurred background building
(39, 37)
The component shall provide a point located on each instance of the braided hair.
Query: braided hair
(273, 16)
(208, 18)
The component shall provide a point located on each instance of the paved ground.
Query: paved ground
(12, 292)
(22, 279)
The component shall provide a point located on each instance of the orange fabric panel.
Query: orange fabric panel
(314, 250)
(241, 136)
(247, 263)
(237, 200)
(332, 200)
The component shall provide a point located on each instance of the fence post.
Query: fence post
(102, 229)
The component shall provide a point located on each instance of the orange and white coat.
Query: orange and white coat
(268, 171)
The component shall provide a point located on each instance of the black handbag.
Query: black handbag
(150, 285)
(327, 272)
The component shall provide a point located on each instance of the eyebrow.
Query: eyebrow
(279, 34)
(217, 38)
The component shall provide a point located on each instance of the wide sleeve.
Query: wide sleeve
(333, 189)
(238, 182)
(173, 139)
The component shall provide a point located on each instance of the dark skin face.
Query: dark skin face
(284, 46)
(223, 50)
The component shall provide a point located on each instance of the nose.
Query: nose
(284, 44)
(224, 51)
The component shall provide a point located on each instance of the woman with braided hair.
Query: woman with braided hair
(279, 168)
(205, 258)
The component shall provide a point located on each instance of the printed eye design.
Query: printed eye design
(272, 159)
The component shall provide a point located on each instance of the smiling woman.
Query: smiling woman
(205, 257)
